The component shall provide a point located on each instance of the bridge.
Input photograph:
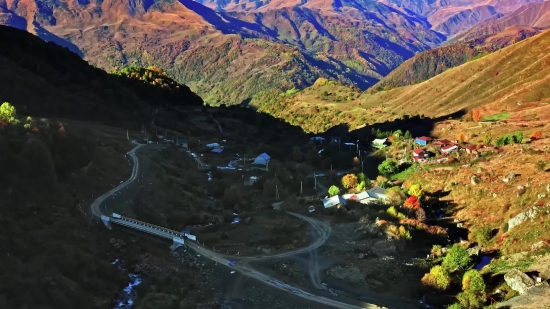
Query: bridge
(145, 227)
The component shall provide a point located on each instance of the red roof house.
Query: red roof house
(420, 154)
(443, 142)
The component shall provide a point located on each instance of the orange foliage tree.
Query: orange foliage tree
(461, 137)
(536, 135)
(412, 203)
(476, 115)
(349, 181)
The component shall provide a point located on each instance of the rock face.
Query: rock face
(518, 281)
(522, 217)
(539, 245)
(474, 251)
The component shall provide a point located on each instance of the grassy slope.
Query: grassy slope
(430, 63)
(518, 73)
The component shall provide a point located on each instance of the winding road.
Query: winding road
(321, 233)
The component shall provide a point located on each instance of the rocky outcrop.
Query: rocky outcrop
(518, 281)
(539, 245)
(474, 251)
(524, 216)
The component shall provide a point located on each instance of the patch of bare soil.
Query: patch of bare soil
(265, 231)
(368, 261)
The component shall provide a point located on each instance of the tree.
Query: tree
(455, 306)
(471, 300)
(7, 112)
(397, 133)
(536, 135)
(387, 167)
(416, 190)
(407, 135)
(349, 181)
(333, 190)
(231, 197)
(438, 278)
(297, 154)
(461, 137)
(518, 136)
(394, 196)
(476, 115)
(456, 258)
(412, 203)
(473, 281)
(487, 139)
(381, 181)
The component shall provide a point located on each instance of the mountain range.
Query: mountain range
(229, 50)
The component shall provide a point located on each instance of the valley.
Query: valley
(372, 154)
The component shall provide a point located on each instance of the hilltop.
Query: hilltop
(430, 63)
(61, 83)
(530, 14)
(513, 79)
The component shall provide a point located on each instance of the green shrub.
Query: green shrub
(455, 306)
(483, 235)
(473, 281)
(456, 258)
(471, 300)
(392, 211)
(441, 276)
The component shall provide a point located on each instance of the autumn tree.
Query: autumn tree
(438, 278)
(457, 257)
(412, 203)
(461, 137)
(476, 115)
(416, 190)
(536, 135)
(349, 181)
(394, 196)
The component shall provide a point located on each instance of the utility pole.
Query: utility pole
(276, 192)
(127, 135)
(301, 187)
(361, 166)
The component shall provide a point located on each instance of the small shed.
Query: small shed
(334, 201)
(262, 159)
(377, 193)
(471, 149)
(420, 154)
(380, 143)
(182, 142)
(423, 140)
(448, 149)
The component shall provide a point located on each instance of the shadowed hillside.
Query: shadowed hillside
(61, 83)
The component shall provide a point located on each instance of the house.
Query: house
(317, 139)
(380, 143)
(213, 145)
(423, 140)
(443, 143)
(420, 154)
(363, 197)
(471, 149)
(262, 159)
(448, 149)
(334, 201)
(182, 142)
(217, 150)
(377, 193)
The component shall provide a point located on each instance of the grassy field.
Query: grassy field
(508, 82)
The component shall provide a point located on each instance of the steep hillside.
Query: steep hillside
(535, 15)
(517, 74)
(432, 62)
(228, 57)
(61, 83)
